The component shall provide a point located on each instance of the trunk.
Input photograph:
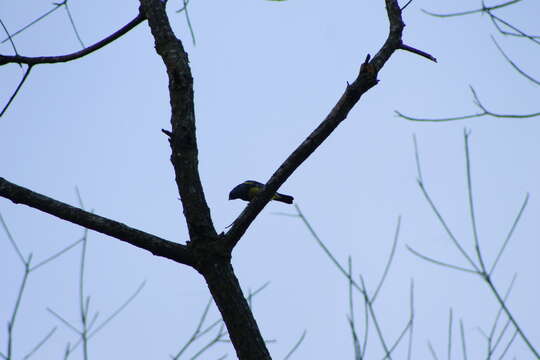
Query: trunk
(241, 325)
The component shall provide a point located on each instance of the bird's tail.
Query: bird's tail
(283, 198)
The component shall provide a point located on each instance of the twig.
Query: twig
(9, 37)
(73, 24)
(417, 52)
(390, 258)
(468, 12)
(411, 329)
(513, 64)
(19, 86)
(12, 240)
(41, 17)
(432, 351)
(437, 262)
(40, 344)
(510, 233)
(450, 326)
(471, 202)
(296, 345)
(463, 343)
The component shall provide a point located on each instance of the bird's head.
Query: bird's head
(235, 193)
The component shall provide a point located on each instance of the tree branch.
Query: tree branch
(182, 138)
(157, 246)
(367, 78)
(5, 59)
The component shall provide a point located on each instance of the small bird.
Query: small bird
(248, 189)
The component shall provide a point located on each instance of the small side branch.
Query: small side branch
(417, 52)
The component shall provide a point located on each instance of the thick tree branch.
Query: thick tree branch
(182, 138)
(157, 246)
(4, 59)
(366, 79)
(234, 309)
(212, 258)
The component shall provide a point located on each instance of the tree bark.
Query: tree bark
(237, 315)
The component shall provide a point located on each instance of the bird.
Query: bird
(249, 189)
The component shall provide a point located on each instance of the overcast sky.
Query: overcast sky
(265, 75)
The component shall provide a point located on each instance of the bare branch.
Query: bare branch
(40, 344)
(517, 68)
(183, 139)
(417, 52)
(518, 33)
(471, 202)
(17, 59)
(390, 258)
(9, 36)
(41, 17)
(437, 262)
(66, 6)
(296, 345)
(12, 240)
(463, 343)
(366, 79)
(118, 310)
(510, 233)
(157, 246)
(484, 112)
(468, 12)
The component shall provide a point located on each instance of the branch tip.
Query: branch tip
(417, 52)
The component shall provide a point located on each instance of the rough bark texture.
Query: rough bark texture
(183, 139)
(212, 257)
(227, 294)
(156, 245)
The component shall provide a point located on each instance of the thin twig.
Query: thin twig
(468, 12)
(476, 239)
(518, 33)
(11, 323)
(463, 343)
(73, 24)
(510, 233)
(390, 258)
(513, 64)
(41, 17)
(296, 345)
(351, 320)
(188, 21)
(427, 258)
(19, 86)
(64, 321)
(9, 37)
(40, 344)
(450, 326)
(445, 226)
(411, 329)
(12, 240)
(432, 351)
(54, 256)
(118, 310)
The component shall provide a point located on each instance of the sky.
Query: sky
(265, 75)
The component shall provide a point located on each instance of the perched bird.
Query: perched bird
(248, 189)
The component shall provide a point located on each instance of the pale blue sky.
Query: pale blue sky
(266, 73)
